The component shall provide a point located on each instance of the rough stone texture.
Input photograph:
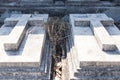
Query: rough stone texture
(28, 49)
(35, 0)
(85, 35)
(32, 60)
(83, 0)
(98, 29)
(84, 54)
(17, 34)
(117, 1)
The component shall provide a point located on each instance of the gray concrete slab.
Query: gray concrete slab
(96, 22)
(29, 53)
(84, 0)
(102, 36)
(17, 34)
(87, 47)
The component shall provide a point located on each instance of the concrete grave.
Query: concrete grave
(100, 31)
(24, 48)
(21, 47)
(95, 42)
(96, 23)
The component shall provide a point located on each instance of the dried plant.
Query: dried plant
(57, 32)
(56, 29)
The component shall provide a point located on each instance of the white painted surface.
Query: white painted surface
(87, 47)
(30, 51)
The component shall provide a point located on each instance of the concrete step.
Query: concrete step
(22, 77)
(97, 78)
(97, 73)
(99, 68)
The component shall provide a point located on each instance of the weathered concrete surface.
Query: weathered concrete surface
(114, 13)
(30, 48)
(96, 23)
(84, 0)
(87, 46)
(85, 51)
(103, 38)
(17, 34)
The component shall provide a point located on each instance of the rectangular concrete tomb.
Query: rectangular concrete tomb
(24, 45)
(97, 23)
(95, 43)
(96, 38)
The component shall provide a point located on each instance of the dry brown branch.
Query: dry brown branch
(56, 29)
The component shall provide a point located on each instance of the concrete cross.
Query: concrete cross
(97, 23)
(18, 32)
(30, 47)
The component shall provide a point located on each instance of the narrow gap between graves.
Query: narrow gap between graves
(56, 28)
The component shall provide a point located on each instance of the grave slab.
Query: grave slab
(96, 22)
(17, 34)
(30, 50)
(87, 46)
